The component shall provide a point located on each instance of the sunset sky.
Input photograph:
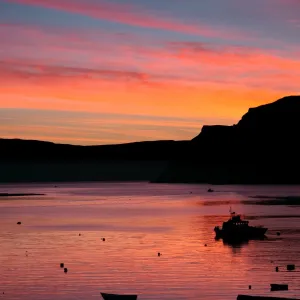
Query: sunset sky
(114, 71)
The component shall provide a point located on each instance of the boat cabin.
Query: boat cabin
(235, 221)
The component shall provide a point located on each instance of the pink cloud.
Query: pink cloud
(73, 48)
(230, 55)
(26, 70)
(69, 57)
(131, 15)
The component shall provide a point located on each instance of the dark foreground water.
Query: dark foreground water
(138, 220)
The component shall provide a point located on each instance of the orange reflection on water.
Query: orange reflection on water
(135, 230)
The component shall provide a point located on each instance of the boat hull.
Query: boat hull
(106, 296)
(279, 287)
(248, 297)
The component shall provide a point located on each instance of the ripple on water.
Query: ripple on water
(175, 224)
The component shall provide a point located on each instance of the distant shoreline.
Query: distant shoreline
(19, 194)
(56, 184)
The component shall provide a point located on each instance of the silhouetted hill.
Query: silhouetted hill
(262, 147)
(37, 161)
(27, 150)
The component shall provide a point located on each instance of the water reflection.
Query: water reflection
(138, 221)
(233, 243)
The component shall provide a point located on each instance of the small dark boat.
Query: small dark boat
(210, 190)
(290, 267)
(237, 229)
(279, 287)
(248, 297)
(118, 297)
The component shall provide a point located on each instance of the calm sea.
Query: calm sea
(138, 220)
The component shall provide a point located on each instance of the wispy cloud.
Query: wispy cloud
(132, 15)
(157, 64)
(235, 56)
(23, 70)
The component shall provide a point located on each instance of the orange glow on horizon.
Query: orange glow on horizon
(134, 75)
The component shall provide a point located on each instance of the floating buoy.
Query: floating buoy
(62, 265)
(250, 287)
(19, 223)
(276, 269)
(65, 270)
(278, 233)
(79, 234)
(158, 254)
(103, 239)
(205, 245)
(290, 267)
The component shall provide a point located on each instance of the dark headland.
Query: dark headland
(262, 148)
